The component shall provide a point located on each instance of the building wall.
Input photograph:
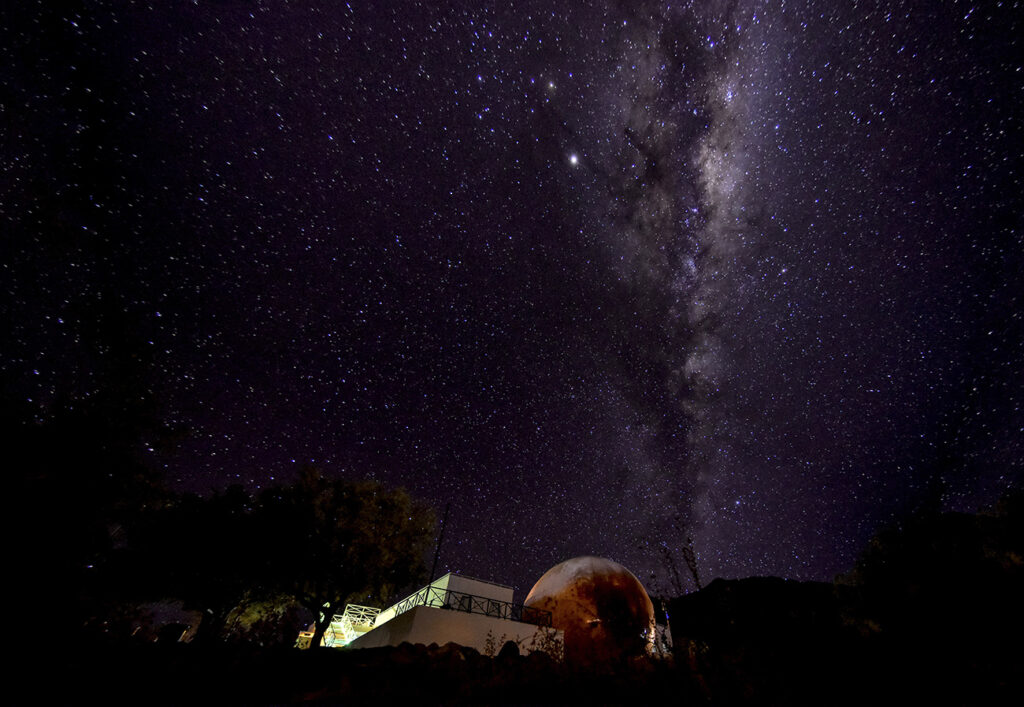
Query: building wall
(427, 624)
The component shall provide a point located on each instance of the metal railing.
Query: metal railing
(473, 604)
(344, 627)
(356, 615)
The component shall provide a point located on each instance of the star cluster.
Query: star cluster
(601, 275)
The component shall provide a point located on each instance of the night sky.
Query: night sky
(602, 275)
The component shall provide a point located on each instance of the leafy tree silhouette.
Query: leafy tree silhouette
(331, 542)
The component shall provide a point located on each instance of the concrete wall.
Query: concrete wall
(426, 625)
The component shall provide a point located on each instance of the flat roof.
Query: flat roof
(475, 579)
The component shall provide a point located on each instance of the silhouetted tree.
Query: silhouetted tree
(203, 551)
(272, 620)
(934, 562)
(320, 542)
(330, 542)
(943, 589)
(80, 471)
(690, 557)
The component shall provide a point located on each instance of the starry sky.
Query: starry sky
(602, 275)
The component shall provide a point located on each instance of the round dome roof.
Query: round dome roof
(600, 606)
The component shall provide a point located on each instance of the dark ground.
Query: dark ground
(762, 641)
(931, 614)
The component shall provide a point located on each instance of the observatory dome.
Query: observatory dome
(600, 606)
